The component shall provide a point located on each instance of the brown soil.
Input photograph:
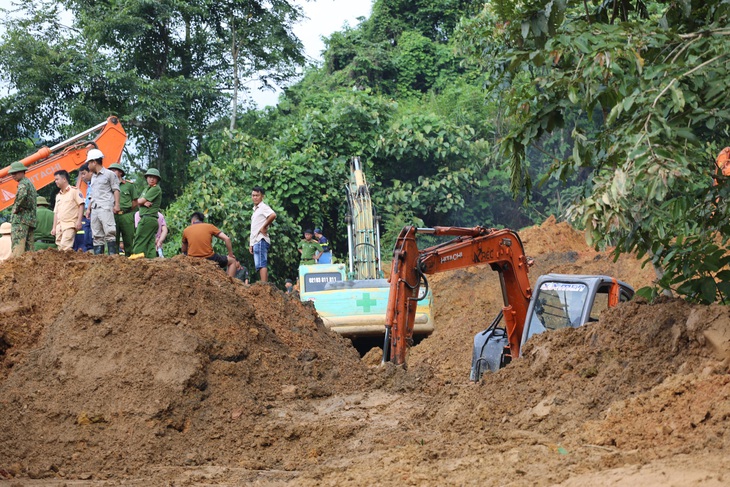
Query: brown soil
(166, 372)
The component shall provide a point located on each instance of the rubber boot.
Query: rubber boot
(98, 249)
(112, 248)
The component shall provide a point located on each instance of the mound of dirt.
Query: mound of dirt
(166, 372)
(466, 301)
(110, 363)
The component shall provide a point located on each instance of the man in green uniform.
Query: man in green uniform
(149, 204)
(124, 218)
(310, 249)
(23, 217)
(43, 237)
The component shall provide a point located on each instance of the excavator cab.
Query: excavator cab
(560, 301)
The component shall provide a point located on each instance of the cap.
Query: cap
(288, 281)
(308, 230)
(317, 230)
(94, 154)
(5, 228)
(153, 172)
(17, 167)
(41, 201)
(118, 167)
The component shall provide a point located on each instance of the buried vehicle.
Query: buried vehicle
(561, 300)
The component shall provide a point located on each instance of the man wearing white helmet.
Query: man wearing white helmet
(104, 203)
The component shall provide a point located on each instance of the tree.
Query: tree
(165, 68)
(656, 87)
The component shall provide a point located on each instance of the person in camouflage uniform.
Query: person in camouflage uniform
(23, 217)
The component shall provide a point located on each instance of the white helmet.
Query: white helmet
(94, 154)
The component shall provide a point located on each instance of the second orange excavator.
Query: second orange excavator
(560, 301)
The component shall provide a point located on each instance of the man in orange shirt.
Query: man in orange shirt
(197, 241)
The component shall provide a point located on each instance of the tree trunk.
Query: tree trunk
(234, 54)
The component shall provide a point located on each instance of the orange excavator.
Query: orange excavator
(561, 300)
(69, 155)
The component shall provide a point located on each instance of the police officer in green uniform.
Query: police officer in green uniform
(310, 249)
(124, 218)
(43, 237)
(23, 218)
(149, 205)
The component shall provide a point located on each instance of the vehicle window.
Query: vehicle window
(600, 302)
(558, 305)
(316, 281)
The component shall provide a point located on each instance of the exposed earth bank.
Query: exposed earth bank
(166, 372)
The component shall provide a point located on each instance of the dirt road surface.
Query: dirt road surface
(168, 373)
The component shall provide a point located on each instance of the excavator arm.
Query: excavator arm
(501, 249)
(68, 155)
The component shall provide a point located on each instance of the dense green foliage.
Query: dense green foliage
(393, 92)
(654, 81)
(498, 114)
(162, 67)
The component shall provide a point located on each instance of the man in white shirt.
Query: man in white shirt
(104, 203)
(259, 241)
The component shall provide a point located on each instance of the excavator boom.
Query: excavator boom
(68, 155)
(501, 249)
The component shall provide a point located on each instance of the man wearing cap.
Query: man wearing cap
(149, 205)
(5, 246)
(44, 239)
(310, 249)
(104, 203)
(124, 218)
(68, 212)
(23, 218)
(289, 286)
(326, 256)
(241, 272)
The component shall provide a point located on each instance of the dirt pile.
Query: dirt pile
(169, 373)
(110, 363)
(466, 301)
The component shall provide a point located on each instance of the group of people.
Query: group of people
(115, 217)
(104, 218)
(197, 240)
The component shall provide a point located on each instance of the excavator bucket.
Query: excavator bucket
(489, 349)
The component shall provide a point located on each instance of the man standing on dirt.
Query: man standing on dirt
(259, 241)
(23, 217)
(124, 218)
(84, 241)
(68, 212)
(104, 203)
(197, 241)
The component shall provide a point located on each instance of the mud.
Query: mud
(167, 372)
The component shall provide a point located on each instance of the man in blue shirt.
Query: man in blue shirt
(326, 257)
(84, 241)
